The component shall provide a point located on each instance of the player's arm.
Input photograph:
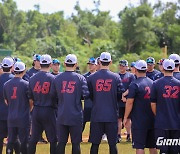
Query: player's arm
(153, 107)
(4, 95)
(85, 90)
(6, 101)
(90, 88)
(31, 104)
(128, 109)
(124, 95)
(153, 98)
(130, 100)
(120, 89)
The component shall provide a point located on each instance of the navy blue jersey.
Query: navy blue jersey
(86, 75)
(176, 75)
(16, 94)
(126, 79)
(3, 107)
(141, 115)
(152, 74)
(105, 90)
(69, 87)
(158, 76)
(55, 73)
(165, 93)
(39, 87)
(32, 71)
(87, 102)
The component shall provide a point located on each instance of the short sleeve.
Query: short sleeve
(85, 90)
(132, 90)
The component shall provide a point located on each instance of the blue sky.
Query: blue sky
(50, 6)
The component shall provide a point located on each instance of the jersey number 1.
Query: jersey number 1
(14, 93)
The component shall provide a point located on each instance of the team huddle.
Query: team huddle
(142, 99)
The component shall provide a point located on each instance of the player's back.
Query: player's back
(142, 115)
(39, 85)
(176, 75)
(3, 107)
(105, 89)
(16, 93)
(70, 87)
(165, 93)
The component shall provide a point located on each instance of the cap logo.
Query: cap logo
(169, 67)
(17, 68)
(105, 58)
(143, 67)
(69, 61)
(44, 61)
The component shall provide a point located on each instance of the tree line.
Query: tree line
(140, 32)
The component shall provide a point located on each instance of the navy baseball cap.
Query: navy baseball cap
(56, 61)
(150, 60)
(37, 57)
(133, 64)
(92, 60)
(123, 62)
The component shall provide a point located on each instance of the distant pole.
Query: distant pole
(164, 51)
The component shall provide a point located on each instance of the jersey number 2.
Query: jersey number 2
(147, 95)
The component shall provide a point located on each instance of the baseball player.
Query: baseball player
(7, 64)
(69, 87)
(55, 67)
(161, 74)
(97, 62)
(165, 104)
(132, 67)
(176, 59)
(88, 102)
(139, 105)
(16, 97)
(36, 67)
(126, 78)
(105, 90)
(151, 72)
(43, 114)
